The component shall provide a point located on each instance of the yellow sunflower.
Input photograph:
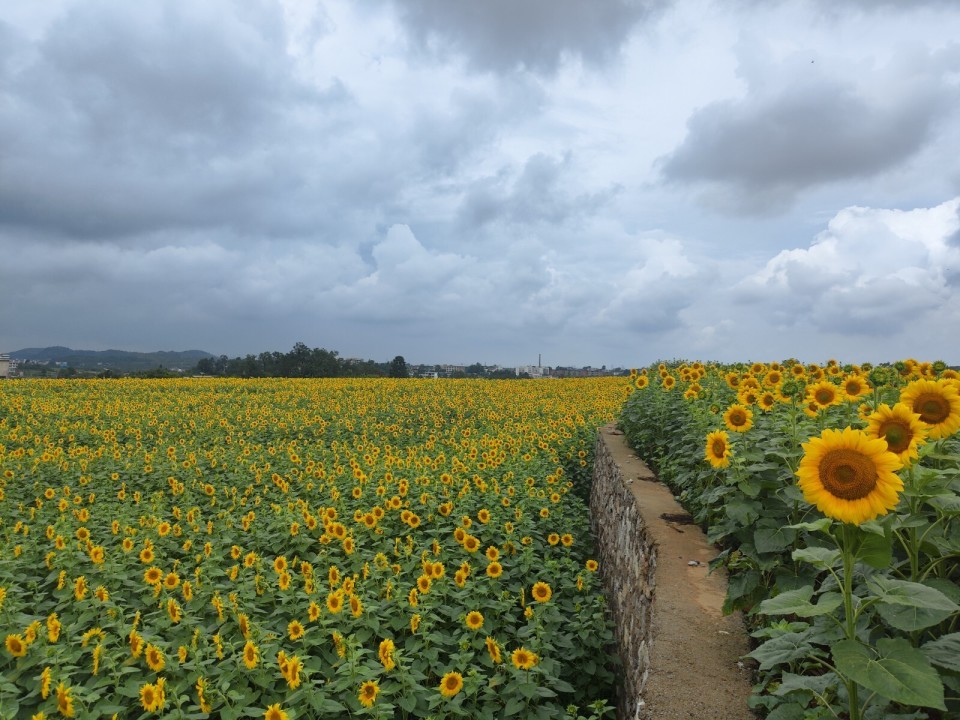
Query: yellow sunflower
(523, 659)
(274, 712)
(854, 387)
(16, 645)
(451, 684)
(541, 592)
(368, 693)
(251, 655)
(824, 393)
(937, 402)
(738, 418)
(849, 476)
(493, 650)
(474, 620)
(155, 658)
(718, 449)
(902, 428)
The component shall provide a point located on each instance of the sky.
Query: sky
(590, 183)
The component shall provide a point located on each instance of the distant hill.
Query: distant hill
(117, 360)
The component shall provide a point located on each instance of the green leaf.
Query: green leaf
(908, 605)
(812, 685)
(822, 558)
(797, 602)
(822, 524)
(876, 550)
(773, 539)
(783, 649)
(514, 705)
(787, 711)
(900, 672)
(944, 651)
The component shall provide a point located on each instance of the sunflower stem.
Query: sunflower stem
(847, 538)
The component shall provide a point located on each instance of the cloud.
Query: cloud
(543, 191)
(799, 127)
(872, 272)
(535, 35)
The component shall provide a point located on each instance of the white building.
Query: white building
(4, 366)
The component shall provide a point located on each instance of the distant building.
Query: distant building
(4, 366)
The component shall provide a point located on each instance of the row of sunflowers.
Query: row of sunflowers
(287, 549)
(833, 493)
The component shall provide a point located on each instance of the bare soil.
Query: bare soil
(695, 658)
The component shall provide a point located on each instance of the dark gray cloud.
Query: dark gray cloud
(535, 35)
(125, 119)
(540, 192)
(756, 154)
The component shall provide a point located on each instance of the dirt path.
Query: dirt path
(694, 659)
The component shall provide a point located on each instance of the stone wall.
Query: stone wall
(681, 656)
(628, 556)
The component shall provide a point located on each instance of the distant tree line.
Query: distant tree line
(300, 362)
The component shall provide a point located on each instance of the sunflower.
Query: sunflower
(523, 659)
(854, 387)
(16, 645)
(313, 612)
(553, 538)
(273, 712)
(153, 576)
(385, 652)
(541, 592)
(149, 697)
(937, 402)
(46, 677)
(251, 655)
(717, 451)
(279, 564)
(641, 382)
(592, 565)
(493, 650)
(471, 543)
(849, 476)
(368, 693)
(423, 584)
(155, 658)
(902, 428)
(356, 606)
(474, 620)
(146, 555)
(824, 393)
(295, 630)
(174, 611)
(451, 684)
(494, 569)
(80, 588)
(738, 418)
(64, 700)
(335, 602)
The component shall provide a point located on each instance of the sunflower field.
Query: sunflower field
(833, 493)
(290, 549)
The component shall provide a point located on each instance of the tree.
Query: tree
(398, 367)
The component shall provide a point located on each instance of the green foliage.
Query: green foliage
(857, 622)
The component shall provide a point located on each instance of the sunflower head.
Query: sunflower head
(541, 592)
(738, 418)
(717, 451)
(900, 427)
(937, 402)
(474, 620)
(451, 684)
(850, 476)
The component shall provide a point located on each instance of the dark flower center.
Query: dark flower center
(847, 474)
